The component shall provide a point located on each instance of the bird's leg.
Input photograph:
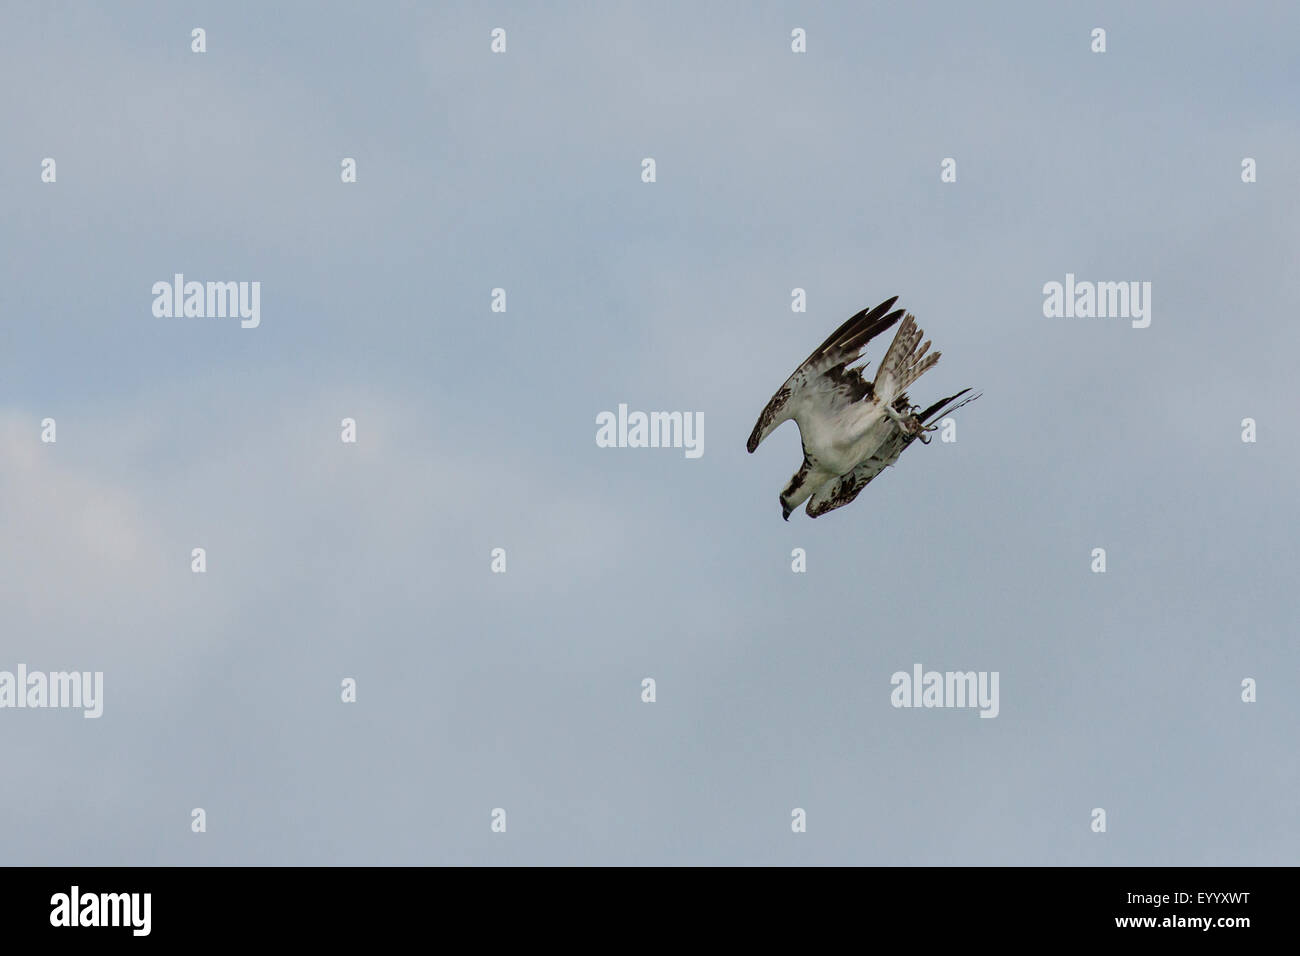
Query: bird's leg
(907, 422)
(921, 434)
(898, 417)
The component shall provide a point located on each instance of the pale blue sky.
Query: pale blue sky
(522, 690)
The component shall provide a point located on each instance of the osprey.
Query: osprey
(853, 429)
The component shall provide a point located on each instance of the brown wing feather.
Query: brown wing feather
(829, 359)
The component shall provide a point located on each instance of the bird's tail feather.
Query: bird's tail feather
(904, 363)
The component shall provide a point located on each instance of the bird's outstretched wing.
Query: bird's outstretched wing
(842, 491)
(823, 382)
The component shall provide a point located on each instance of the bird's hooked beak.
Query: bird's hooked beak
(785, 512)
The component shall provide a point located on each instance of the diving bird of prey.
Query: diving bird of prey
(852, 429)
